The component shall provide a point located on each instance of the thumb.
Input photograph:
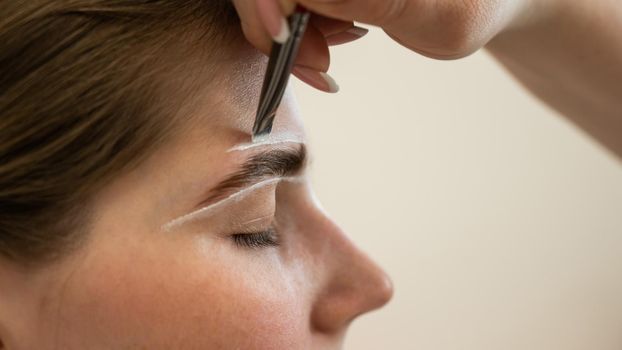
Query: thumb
(375, 12)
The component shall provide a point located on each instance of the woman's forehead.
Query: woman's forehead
(239, 117)
(209, 143)
(228, 98)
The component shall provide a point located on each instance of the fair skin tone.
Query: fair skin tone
(566, 52)
(135, 285)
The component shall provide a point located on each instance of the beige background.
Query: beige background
(499, 222)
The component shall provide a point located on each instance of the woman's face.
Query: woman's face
(205, 247)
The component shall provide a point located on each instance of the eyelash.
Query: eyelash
(256, 240)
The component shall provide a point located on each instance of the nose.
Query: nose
(351, 285)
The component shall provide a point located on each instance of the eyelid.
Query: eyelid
(235, 197)
(253, 225)
(202, 212)
(245, 223)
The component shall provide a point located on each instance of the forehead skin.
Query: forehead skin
(132, 284)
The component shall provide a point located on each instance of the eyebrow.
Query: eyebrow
(261, 166)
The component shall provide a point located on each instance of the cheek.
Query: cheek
(184, 297)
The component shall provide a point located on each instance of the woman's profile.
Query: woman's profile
(137, 211)
(132, 215)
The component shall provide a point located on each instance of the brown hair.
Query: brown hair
(81, 101)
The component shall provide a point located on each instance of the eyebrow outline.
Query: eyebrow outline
(272, 163)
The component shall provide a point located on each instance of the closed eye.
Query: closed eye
(256, 240)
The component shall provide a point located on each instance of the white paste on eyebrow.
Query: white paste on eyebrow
(235, 197)
(274, 138)
(260, 143)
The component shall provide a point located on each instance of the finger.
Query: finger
(270, 14)
(338, 32)
(252, 27)
(319, 80)
(346, 36)
(313, 57)
(377, 12)
(313, 52)
(330, 26)
(314, 60)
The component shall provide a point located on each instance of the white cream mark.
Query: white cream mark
(235, 197)
(256, 220)
(261, 143)
(275, 138)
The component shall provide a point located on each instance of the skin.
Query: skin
(135, 286)
(566, 52)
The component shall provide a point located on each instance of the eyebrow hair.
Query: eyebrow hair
(261, 166)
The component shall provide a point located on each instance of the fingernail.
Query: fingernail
(283, 33)
(332, 84)
(346, 36)
(272, 18)
(358, 31)
(318, 80)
